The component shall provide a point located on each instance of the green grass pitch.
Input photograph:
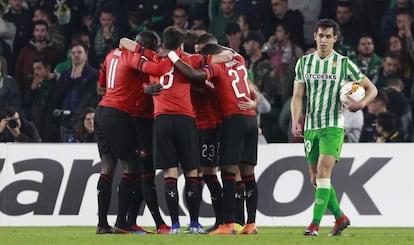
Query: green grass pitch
(267, 235)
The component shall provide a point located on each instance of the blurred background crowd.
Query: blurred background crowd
(51, 51)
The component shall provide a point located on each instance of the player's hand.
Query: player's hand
(249, 104)
(153, 89)
(297, 130)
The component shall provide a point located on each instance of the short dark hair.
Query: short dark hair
(392, 55)
(388, 121)
(147, 39)
(382, 96)
(327, 23)
(41, 23)
(211, 48)
(206, 38)
(108, 10)
(346, 4)
(80, 43)
(172, 37)
(232, 28)
(42, 59)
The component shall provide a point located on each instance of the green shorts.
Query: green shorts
(327, 141)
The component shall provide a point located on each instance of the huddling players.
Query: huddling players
(185, 117)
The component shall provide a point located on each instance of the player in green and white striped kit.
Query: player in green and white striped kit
(319, 76)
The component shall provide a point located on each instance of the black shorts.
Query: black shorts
(238, 140)
(144, 128)
(175, 142)
(209, 143)
(116, 133)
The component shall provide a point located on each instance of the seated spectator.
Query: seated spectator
(85, 131)
(387, 128)
(13, 128)
(249, 23)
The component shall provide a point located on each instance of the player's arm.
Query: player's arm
(223, 57)
(135, 47)
(186, 69)
(370, 94)
(296, 108)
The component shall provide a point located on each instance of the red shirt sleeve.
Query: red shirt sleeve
(156, 69)
(212, 70)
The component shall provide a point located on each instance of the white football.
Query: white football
(353, 91)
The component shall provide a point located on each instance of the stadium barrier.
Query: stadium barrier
(55, 185)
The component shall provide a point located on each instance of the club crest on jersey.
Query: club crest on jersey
(334, 64)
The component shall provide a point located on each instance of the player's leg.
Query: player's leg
(125, 195)
(249, 161)
(231, 147)
(189, 157)
(108, 164)
(165, 158)
(239, 199)
(209, 142)
(147, 172)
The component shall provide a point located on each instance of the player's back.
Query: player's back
(175, 96)
(122, 80)
(231, 85)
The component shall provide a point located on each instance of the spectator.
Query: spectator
(400, 105)
(218, 24)
(37, 100)
(367, 60)
(350, 30)
(310, 10)
(389, 24)
(39, 45)
(292, 18)
(13, 128)
(283, 53)
(378, 105)
(387, 128)
(249, 23)
(234, 38)
(9, 92)
(55, 34)
(138, 21)
(107, 36)
(76, 87)
(180, 18)
(85, 131)
(389, 67)
(22, 19)
(343, 47)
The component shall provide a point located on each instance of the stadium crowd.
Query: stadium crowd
(51, 52)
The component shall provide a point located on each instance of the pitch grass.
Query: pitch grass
(267, 235)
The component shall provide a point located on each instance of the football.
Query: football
(353, 91)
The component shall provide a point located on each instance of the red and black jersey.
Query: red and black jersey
(175, 95)
(231, 85)
(204, 101)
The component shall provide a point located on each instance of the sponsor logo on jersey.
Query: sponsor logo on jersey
(320, 76)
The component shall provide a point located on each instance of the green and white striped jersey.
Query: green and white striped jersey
(323, 79)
